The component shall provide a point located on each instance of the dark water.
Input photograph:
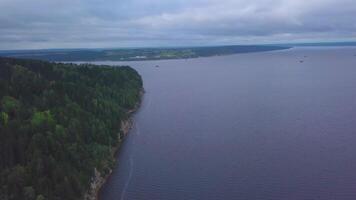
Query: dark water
(249, 126)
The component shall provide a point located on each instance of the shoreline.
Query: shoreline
(140, 54)
(98, 181)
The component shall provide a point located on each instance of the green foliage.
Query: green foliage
(59, 122)
(9, 104)
(4, 118)
(40, 197)
(41, 118)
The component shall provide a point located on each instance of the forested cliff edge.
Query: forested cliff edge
(59, 123)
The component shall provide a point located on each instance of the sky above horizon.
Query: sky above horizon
(36, 24)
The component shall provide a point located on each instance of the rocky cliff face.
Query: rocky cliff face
(99, 179)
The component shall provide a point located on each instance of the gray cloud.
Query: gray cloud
(121, 23)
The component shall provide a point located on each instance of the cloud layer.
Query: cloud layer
(129, 23)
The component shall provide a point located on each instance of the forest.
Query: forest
(58, 124)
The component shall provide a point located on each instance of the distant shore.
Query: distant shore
(138, 54)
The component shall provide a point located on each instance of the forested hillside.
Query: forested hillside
(58, 122)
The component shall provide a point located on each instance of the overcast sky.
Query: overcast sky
(32, 24)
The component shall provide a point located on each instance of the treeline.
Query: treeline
(59, 122)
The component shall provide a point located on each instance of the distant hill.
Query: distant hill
(136, 53)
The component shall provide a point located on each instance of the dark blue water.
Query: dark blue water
(248, 126)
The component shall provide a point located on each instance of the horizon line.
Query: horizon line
(323, 43)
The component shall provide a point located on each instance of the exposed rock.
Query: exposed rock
(98, 180)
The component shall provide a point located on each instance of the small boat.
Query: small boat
(157, 66)
(301, 61)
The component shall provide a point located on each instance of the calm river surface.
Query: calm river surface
(247, 126)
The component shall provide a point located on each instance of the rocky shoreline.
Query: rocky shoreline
(98, 180)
